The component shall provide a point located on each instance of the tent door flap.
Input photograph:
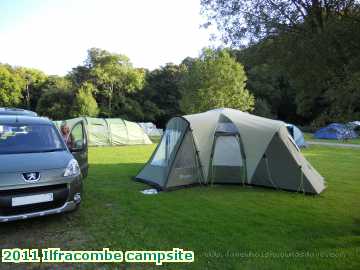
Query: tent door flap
(227, 164)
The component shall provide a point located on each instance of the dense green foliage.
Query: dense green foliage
(34, 84)
(107, 85)
(11, 85)
(56, 103)
(227, 227)
(162, 92)
(302, 57)
(215, 80)
(57, 98)
(85, 103)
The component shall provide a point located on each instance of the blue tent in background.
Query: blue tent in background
(297, 135)
(336, 131)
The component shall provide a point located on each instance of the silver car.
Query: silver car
(39, 173)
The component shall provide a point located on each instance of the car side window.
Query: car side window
(76, 139)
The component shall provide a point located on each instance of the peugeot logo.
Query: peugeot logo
(31, 177)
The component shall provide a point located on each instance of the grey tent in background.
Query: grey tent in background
(229, 146)
(110, 131)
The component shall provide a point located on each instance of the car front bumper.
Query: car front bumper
(68, 206)
(68, 197)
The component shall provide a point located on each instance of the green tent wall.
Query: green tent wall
(110, 131)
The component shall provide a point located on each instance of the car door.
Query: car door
(78, 146)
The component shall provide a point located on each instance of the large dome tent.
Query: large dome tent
(229, 146)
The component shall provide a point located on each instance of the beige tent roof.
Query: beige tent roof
(256, 133)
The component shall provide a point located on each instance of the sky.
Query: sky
(54, 35)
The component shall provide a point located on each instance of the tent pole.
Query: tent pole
(269, 173)
(179, 145)
(211, 168)
(243, 158)
(301, 185)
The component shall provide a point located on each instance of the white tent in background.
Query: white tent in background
(355, 123)
(150, 129)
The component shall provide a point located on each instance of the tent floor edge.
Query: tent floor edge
(183, 187)
(159, 188)
(148, 182)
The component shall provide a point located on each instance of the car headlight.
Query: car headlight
(72, 168)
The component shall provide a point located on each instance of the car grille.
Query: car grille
(60, 194)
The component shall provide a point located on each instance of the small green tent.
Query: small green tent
(228, 146)
(110, 131)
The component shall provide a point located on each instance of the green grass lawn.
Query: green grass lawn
(310, 137)
(228, 227)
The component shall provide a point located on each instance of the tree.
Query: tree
(56, 104)
(262, 108)
(58, 82)
(253, 20)
(34, 81)
(57, 99)
(85, 103)
(161, 94)
(11, 87)
(113, 76)
(269, 82)
(315, 44)
(215, 80)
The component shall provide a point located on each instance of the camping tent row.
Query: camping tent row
(110, 131)
(229, 146)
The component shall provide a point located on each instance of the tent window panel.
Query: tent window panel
(186, 156)
(226, 127)
(290, 130)
(186, 160)
(166, 147)
(227, 152)
(169, 142)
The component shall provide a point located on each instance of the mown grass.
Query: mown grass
(228, 227)
(310, 137)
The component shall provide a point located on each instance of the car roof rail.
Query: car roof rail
(16, 111)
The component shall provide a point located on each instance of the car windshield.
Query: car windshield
(16, 139)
